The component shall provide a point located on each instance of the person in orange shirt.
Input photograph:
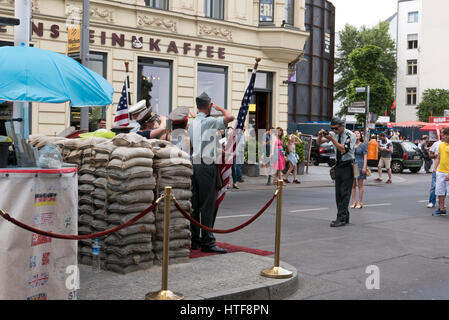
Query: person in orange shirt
(442, 174)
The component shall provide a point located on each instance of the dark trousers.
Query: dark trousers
(204, 182)
(344, 178)
(236, 172)
(427, 164)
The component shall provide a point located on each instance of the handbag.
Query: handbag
(368, 172)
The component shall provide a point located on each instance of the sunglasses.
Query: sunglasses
(334, 128)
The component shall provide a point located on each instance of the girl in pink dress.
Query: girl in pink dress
(279, 163)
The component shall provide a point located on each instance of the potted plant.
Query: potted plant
(300, 151)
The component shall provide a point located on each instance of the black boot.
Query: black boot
(337, 223)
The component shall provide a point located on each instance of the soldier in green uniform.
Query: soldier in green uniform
(202, 132)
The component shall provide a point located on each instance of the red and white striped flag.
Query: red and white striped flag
(226, 166)
(121, 116)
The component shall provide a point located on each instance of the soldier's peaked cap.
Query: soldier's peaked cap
(138, 107)
(179, 115)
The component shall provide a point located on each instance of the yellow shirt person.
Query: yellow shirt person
(443, 152)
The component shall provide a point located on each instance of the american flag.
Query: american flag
(226, 166)
(121, 116)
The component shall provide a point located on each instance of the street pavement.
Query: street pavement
(394, 232)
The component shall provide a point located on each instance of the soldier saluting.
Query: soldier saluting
(202, 133)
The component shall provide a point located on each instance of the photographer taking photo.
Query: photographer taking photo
(344, 145)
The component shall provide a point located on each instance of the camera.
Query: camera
(325, 133)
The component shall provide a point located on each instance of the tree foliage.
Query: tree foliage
(433, 103)
(352, 39)
(365, 64)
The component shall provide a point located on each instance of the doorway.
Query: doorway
(263, 110)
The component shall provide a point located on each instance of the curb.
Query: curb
(273, 289)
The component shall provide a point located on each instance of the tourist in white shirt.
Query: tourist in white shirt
(433, 153)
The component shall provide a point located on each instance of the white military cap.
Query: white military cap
(138, 107)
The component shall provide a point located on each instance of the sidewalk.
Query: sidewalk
(232, 276)
(318, 176)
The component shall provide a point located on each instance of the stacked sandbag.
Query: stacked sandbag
(173, 168)
(92, 184)
(130, 188)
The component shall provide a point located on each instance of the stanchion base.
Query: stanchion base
(277, 273)
(164, 295)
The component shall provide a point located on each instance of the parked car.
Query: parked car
(406, 155)
(324, 154)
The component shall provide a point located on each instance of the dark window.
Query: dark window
(214, 81)
(157, 4)
(412, 40)
(411, 96)
(412, 67)
(97, 63)
(159, 73)
(266, 11)
(214, 9)
(289, 12)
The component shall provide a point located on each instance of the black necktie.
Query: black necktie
(338, 151)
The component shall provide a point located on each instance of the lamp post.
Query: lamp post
(84, 112)
(367, 91)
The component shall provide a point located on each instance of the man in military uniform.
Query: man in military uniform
(204, 180)
(151, 125)
(344, 145)
(134, 111)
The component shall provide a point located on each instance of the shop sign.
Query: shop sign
(73, 39)
(137, 42)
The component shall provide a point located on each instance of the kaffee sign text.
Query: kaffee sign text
(137, 42)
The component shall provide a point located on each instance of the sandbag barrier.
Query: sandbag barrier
(22, 225)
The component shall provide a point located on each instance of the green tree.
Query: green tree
(352, 39)
(433, 103)
(367, 72)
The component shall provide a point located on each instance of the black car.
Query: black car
(324, 154)
(406, 155)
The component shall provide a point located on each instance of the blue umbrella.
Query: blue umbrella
(35, 75)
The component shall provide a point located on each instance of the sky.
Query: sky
(362, 12)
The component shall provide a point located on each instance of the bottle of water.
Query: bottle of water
(96, 256)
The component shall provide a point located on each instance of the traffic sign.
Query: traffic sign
(357, 104)
(356, 110)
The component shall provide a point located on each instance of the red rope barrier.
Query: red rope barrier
(78, 237)
(257, 215)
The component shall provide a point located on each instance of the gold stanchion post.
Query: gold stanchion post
(276, 271)
(164, 293)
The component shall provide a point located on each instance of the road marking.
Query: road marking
(422, 201)
(305, 210)
(378, 205)
(236, 216)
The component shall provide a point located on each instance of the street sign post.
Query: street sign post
(357, 104)
(356, 110)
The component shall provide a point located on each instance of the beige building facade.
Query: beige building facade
(184, 47)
